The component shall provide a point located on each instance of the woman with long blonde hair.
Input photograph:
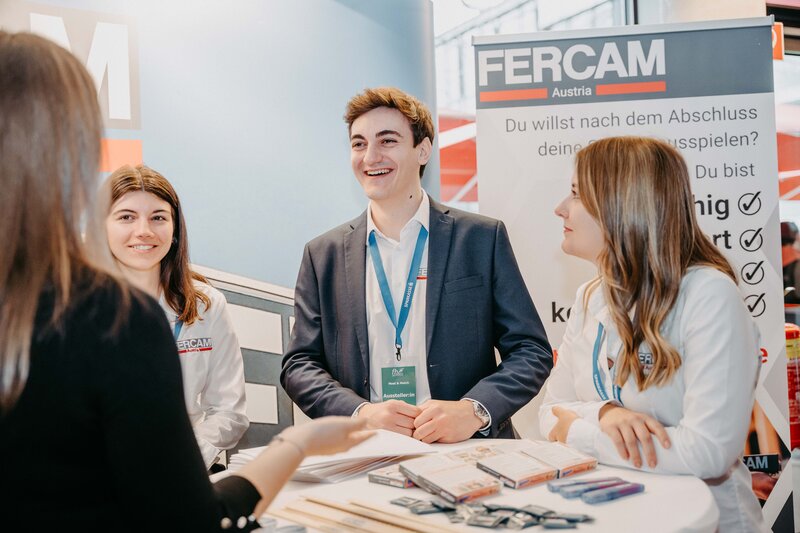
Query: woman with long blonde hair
(90, 382)
(660, 344)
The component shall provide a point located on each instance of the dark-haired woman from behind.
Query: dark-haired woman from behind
(90, 381)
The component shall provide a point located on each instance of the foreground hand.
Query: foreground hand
(393, 415)
(628, 429)
(561, 429)
(327, 435)
(446, 421)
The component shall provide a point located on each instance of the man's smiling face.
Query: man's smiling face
(383, 156)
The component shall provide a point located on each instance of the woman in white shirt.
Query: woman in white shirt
(147, 236)
(660, 344)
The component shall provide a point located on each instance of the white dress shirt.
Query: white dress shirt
(396, 257)
(213, 375)
(706, 406)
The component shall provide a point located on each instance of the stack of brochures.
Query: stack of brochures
(391, 476)
(384, 449)
(532, 462)
(449, 477)
(469, 473)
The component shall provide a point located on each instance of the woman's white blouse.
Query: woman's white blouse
(705, 408)
(213, 375)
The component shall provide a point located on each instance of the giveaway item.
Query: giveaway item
(485, 520)
(522, 521)
(612, 493)
(517, 469)
(558, 484)
(450, 478)
(568, 461)
(575, 517)
(405, 501)
(537, 511)
(576, 490)
(529, 462)
(558, 523)
(424, 507)
(390, 476)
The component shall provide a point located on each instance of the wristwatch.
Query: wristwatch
(481, 412)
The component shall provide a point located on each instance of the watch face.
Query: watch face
(480, 412)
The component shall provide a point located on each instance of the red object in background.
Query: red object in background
(789, 163)
(788, 152)
(777, 41)
(458, 163)
(793, 377)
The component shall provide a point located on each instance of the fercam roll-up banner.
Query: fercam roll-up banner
(707, 89)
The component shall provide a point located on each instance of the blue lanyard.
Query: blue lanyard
(400, 321)
(599, 386)
(177, 331)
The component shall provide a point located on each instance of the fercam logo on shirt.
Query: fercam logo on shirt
(194, 345)
(646, 362)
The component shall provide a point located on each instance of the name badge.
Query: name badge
(399, 383)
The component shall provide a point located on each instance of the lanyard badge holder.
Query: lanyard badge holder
(597, 377)
(399, 322)
(398, 383)
(176, 331)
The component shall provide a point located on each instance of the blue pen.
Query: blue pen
(557, 484)
(612, 493)
(576, 490)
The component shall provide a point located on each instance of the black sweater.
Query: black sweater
(100, 438)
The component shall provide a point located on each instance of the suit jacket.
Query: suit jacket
(476, 301)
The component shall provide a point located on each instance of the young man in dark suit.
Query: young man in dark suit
(398, 312)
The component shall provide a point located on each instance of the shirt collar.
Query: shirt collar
(422, 217)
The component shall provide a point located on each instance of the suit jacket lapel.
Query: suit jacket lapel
(355, 256)
(441, 232)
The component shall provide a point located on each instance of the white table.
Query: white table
(668, 504)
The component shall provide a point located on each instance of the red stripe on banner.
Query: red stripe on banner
(630, 88)
(517, 94)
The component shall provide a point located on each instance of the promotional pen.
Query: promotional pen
(612, 493)
(576, 490)
(557, 484)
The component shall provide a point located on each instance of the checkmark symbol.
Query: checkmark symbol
(751, 239)
(751, 271)
(756, 234)
(750, 203)
(754, 304)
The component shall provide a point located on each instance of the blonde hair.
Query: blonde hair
(638, 190)
(176, 278)
(50, 128)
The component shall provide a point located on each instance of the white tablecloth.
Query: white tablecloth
(668, 504)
